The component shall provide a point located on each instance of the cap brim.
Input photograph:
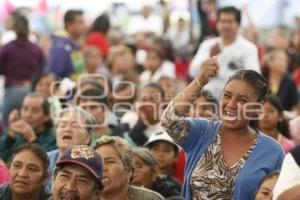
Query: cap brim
(164, 140)
(82, 165)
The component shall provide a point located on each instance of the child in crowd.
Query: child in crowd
(146, 174)
(267, 184)
(205, 106)
(279, 80)
(94, 61)
(166, 152)
(273, 123)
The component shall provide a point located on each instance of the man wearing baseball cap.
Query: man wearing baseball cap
(78, 174)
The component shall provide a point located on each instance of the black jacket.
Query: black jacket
(166, 187)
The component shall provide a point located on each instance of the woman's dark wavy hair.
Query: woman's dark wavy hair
(283, 125)
(37, 150)
(256, 81)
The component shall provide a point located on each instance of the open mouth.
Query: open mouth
(230, 116)
(67, 138)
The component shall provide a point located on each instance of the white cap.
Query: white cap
(161, 136)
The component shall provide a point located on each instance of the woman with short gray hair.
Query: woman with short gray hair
(118, 169)
(74, 127)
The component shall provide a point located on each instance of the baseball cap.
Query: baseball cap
(161, 136)
(84, 156)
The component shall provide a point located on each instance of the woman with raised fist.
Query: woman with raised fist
(225, 159)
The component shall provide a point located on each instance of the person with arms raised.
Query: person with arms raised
(226, 159)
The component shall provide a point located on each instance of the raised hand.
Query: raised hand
(23, 128)
(208, 70)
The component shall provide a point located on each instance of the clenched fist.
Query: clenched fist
(209, 69)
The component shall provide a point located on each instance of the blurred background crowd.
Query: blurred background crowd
(122, 62)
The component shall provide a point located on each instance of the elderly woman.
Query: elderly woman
(74, 127)
(118, 170)
(27, 173)
(146, 174)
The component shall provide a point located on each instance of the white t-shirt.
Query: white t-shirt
(241, 54)
(289, 176)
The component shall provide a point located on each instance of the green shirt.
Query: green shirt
(8, 144)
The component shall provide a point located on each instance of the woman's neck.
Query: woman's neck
(23, 197)
(274, 133)
(121, 194)
(237, 134)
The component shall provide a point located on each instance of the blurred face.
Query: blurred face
(44, 85)
(26, 174)
(227, 25)
(92, 61)
(94, 108)
(203, 108)
(169, 87)
(123, 62)
(278, 40)
(164, 154)
(74, 182)
(115, 176)
(270, 117)
(153, 61)
(235, 104)
(71, 131)
(77, 28)
(265, 191)
(146, 10)
(150, 102)
(33, 113)
(208, 6)
(143, 174)
(9, 23)
(278, 62)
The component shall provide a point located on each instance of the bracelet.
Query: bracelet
(197, 81)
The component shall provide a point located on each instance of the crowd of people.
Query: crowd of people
(89, 114)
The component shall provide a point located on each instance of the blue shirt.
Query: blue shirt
(65, 58)
(53, 157)
(267, 156)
